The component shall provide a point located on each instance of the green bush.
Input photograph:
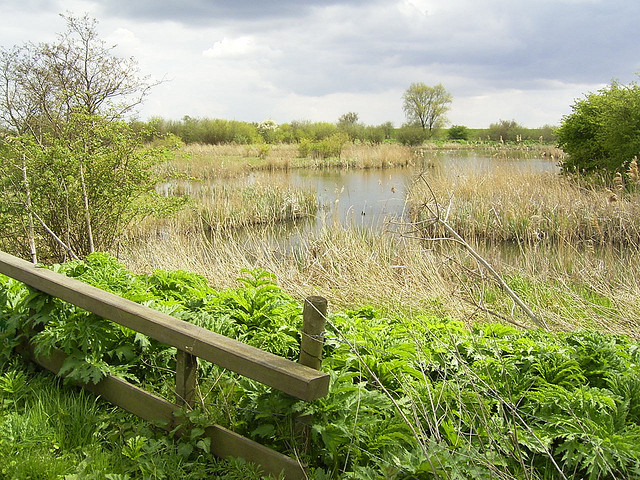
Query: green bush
(506, 130)
(209, 131)
(84, 184)
(330, 147)
(410, 135)
(458, 132)
(603, 131)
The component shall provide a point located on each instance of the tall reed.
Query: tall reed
(350, 267)
(221, 207)
(215, 161)
(522, 205)
(569, 287)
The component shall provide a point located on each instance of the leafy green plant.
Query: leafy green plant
(601, 133)
(417, 396)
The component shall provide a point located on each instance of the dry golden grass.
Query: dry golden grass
(224, 206)
(567, 287)
(229, 160)
(530, 206)
(378, 156)
(588, 276)
(350, 268)
(219, 161)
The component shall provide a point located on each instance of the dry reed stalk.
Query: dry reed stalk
(215, 161)
(529, 206)
(378, 156)
(570, 287)
(223, 206)
(351, 268)
(227, 160)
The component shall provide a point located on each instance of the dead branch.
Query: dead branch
(437, 219)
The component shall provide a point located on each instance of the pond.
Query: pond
(367, 198)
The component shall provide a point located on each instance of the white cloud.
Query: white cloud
(245, 46)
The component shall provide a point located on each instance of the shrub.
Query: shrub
(330, 147)
(409, 135)
(458, 132)
(506, 130)
(603, 132)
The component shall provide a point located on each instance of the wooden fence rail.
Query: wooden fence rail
(192, 342)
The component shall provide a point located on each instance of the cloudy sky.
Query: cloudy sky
(526, 60)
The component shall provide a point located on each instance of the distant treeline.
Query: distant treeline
(219, 131)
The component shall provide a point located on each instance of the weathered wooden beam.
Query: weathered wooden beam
(224, 443)
(277, 372)
(314, 318)
(186, 378)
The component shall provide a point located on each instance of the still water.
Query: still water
(367, 198)
(370, 198)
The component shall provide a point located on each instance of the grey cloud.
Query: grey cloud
(207, 11)
(504, 45)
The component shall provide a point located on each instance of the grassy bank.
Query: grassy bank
(50, 431)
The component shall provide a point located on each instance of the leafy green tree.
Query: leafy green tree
(350, 118)
(603, 131)
(348, 123)
(71, 169)
(458, 132)
(426, 106)
(268, 130)
(506, 130)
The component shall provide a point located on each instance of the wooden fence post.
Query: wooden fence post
(186, 375)
(314, 317)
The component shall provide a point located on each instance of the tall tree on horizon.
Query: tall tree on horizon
(426, 106)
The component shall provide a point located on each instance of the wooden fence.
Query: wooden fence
(192, 342)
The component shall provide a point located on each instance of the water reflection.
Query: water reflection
(366, 198)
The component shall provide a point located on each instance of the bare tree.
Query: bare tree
(43, 84)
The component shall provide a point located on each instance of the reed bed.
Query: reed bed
(568, 249)
(350, 267)
(206, 162)
(355, 155)
(222, 207)
(525, 206)
(569, 288)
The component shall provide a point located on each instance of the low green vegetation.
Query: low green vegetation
(51, 431)
(412, 396)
